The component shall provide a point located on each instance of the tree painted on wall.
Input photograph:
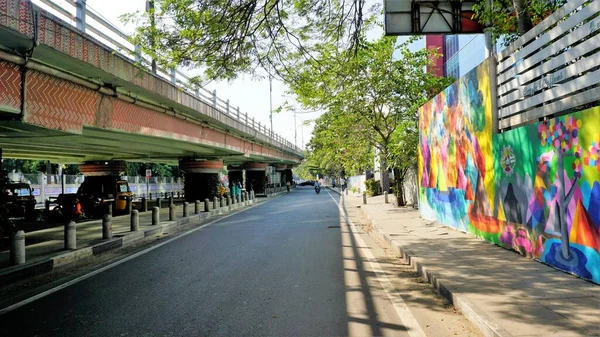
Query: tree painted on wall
(562, 136)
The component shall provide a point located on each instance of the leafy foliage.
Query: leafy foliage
(367, 96)
(158, 170)
(402, 155)
(512, 18)
(229, 37)
(373, 187)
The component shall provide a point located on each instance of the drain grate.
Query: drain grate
(334, 227)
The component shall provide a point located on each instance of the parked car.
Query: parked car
(307, 183)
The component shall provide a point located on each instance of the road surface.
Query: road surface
(288, 267)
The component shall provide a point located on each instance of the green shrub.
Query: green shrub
(354, 189)
(373, 187)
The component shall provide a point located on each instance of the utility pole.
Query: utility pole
(295, 129)
(271, 101)
(150, 9)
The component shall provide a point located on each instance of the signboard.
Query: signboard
(423, 17)
(148, 173)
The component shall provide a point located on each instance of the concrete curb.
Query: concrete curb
(119, 241)
(485, 324)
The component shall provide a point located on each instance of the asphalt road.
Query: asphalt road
(277, 269)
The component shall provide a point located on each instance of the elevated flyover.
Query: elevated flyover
(66, 97)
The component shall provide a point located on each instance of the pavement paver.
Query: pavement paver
(506, 294)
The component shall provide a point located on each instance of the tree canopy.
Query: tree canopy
(371, 102)
(512, 18)
(229, 37)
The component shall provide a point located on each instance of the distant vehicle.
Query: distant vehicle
(19, 202)
(94, 195)
(307, 183)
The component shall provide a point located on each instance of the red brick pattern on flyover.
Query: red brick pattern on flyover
(16, 14)
(136, 119)
(10, 85)
(57, 104)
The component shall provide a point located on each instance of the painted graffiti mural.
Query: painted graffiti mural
(535, 189)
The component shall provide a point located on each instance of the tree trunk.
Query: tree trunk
(523, 19)
(385, 177)
(399, 187)
(562, 214)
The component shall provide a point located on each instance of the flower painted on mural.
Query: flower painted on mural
(508, 160)
(560, 133)
(592, 157)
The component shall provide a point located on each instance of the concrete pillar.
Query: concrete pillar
(135, 220)
(155, 216)
(149, 195)
(128, 205)
(385, 197)
(364, 198)
(172, 215)
(201, 178)
(171, 200)
(109, 208)
(228, 200)
(235, 174)
(158, 203)
(144, 205)
(107, 227)
(70, 235)
(215, 203)
(256, 174)
(17, 248)
(186, 206)
(222, 202)
(197, 207)
(280, 169)
(288, 176)
(206, 205)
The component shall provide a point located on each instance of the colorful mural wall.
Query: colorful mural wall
(535, 189)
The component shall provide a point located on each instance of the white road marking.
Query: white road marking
(114, 264)
(410, 323)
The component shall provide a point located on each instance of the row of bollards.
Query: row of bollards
(17, 242)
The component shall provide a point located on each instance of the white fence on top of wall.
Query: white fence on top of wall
(45, 186)
(553, 69)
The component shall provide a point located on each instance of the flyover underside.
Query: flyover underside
(66, 122)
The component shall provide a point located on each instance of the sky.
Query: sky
(250, 95)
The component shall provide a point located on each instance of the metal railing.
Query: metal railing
(90, 22)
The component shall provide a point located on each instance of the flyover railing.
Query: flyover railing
(85, 19)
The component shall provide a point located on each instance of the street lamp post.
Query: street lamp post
(271, 101)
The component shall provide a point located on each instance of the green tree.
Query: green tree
(368, 92)
(158, 170)
(226, 38)
(336, 147)
(402, 154)
(303, 171)
(512, 18)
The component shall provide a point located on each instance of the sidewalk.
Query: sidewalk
(501, 292)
